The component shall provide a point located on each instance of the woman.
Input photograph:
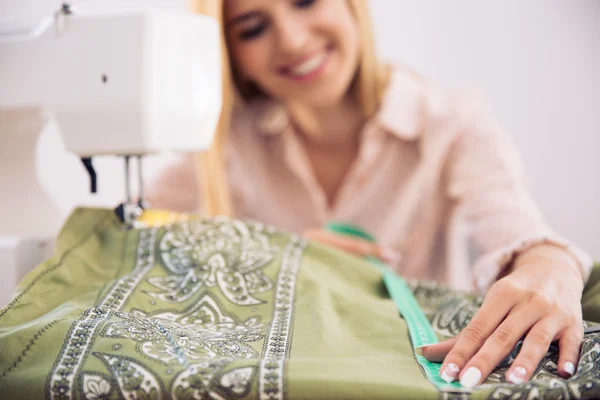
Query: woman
(315, 128)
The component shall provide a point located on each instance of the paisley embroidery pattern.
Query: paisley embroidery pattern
(208, 351)
(203, 331)
(135, 381)
(224, 253)
(206, 380)
(96, 386)
(82, 333)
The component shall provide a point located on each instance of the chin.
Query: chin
(324, 95)
(324, 101)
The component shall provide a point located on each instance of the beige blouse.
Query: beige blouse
(436, 179)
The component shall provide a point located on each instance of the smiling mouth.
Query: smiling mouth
(307, 68)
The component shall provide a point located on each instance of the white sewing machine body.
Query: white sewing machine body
(134, 83)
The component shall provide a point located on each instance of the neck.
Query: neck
(336, 125)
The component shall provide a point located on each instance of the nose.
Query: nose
(292, 36)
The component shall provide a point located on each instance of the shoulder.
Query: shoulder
(417, 107)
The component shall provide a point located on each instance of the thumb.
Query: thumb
(437, 352)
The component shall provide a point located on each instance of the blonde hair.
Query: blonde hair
(368, 87)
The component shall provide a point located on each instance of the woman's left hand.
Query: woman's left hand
(540, 297)
(353, 245)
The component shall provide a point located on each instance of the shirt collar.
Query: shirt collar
(400, 112)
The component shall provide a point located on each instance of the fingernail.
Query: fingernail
(391, 255)
(569, 368)
(517, 375)
(450, 373)
(471, 378)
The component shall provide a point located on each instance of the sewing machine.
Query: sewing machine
(127, 84)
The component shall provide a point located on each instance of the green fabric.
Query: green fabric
(220, 308)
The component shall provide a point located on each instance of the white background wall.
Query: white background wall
(539, 61)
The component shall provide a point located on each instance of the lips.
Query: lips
(308, 67)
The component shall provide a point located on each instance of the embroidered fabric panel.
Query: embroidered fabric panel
(225, 309)
(215, 266)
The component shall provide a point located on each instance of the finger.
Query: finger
(437, 352)
(497, 304)
(534, 348)
(569, 346)
(499, 344)
(356, 246)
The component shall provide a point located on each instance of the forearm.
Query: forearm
(548, 254)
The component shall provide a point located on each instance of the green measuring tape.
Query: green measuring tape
(419, 328)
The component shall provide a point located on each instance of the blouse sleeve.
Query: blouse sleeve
(487, 181)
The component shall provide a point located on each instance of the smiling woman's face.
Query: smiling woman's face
(301, 51)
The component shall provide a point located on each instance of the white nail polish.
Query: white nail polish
(569, 368)
(471, 378)
(450, 373)
(517, 376)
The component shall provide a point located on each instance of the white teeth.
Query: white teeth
(309, 66)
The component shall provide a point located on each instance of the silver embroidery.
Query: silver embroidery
(96, 387)
(83, 331)
(278, 342)
(206, 380)
(225, 253)
(135, 381)
(203, 331)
